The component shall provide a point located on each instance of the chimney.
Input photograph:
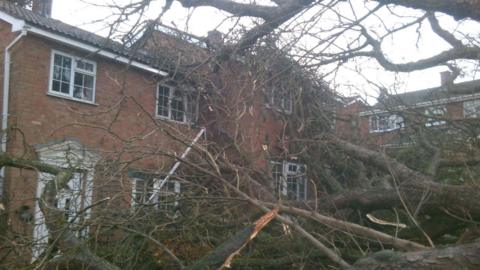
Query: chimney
(42, 7)
(445, 78)
(215, 39)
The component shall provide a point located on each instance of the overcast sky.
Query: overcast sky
(83, 14)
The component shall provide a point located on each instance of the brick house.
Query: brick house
(72, 98)
(391, 121)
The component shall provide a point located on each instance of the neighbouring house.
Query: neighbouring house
(395, 120)
(74, 99)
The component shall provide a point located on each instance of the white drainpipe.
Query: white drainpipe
(158, 183)
(6, 95)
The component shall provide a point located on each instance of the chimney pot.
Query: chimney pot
(42, 7)
(215, 39)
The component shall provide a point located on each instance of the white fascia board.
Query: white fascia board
(17, 24)
(436, 102)
(93, 49)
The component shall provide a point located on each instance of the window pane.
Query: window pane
(84, 66)
(88, 81)
(67, 62)
(66, 75)
(143, 190)
(301, 188)
(83, 88)
(191, 109)
(291, 188)
(57, 73)
(277, 174)
(57, 60)
(65, 88)
(167, 199)
(56, 86)
(61, 74)
(178, 106)
(77, 92)
(78, 79)
(88, 94)
(162, 102)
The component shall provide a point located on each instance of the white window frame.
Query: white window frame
(74, 70)
(434, 120)
(282, 186)
(146, 197)
(471, 108)
(283, 99)
(186, 104)
(394, 122)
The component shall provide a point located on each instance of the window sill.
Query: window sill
(163, 118)
(50, 94)
(384, 131)
(275, 108)
(435, 124)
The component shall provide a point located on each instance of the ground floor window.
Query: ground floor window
(290, 180)
(143, 192)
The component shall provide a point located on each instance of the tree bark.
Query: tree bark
(459, 9)
(457, 257)
(221, 257)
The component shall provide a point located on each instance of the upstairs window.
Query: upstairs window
(72, 77)
(281, 100)
(384, 123)
(471, 109)
(174, 104)
(290, 180)
(435, 116)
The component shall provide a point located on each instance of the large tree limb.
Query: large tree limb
(451, 257)
(422, 197)
(273, 16)
(459, 9)
(398, 169)
(356, 229)
(222, 256)
(235, 8)
(333, 256)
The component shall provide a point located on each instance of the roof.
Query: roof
(441, 94)
(75, 33)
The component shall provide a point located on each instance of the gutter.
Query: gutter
(93, 49)
(436, 102)
(6, 96)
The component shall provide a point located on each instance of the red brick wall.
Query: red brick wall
(120, 125)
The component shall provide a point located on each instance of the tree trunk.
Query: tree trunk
(458, 257)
